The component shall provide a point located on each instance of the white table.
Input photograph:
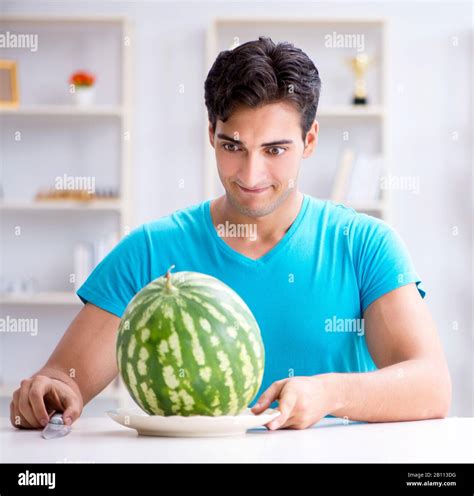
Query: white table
(97, 440)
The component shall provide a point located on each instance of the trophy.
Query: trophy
(359, 65)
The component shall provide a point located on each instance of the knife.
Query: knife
(56, 427)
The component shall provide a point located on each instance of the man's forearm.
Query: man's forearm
(409, 390)
(85, 357)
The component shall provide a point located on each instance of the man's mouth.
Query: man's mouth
(253, 191)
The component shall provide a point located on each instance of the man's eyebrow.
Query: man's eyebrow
(271, 143)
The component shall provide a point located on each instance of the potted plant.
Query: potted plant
(82, 87)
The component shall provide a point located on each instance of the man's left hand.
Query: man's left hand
(303, 401)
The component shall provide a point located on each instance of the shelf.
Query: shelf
(45, 205)
(110, 392)
(41, 298)
(115, 19)
(367, 207)
(351, 111)
(300, 20)
(65, 110)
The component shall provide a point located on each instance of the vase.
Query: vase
(84, 95)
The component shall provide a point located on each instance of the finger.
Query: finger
(286, 406)
(291, 421)
(268, 397)
(37, 391)
(73, 409)
(24, 406)
(15, 418)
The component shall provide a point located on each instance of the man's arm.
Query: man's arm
(412, 383)
(86, 352)
(81, 366)
(413, 380)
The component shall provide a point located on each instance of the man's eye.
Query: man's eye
(233, 148)
(276, 150)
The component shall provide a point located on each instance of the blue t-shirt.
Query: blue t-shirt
(308, 293)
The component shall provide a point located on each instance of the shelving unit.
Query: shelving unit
(113, 111)
(44, 298)
(66, 110)
(334, 112)
(59, 205)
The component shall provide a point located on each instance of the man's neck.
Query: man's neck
(269, 228)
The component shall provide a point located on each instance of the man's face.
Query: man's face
(258, 154)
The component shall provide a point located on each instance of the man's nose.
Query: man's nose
(253, 173)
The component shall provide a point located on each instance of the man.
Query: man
(338, 301)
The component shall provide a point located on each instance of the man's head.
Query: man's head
(261, 100)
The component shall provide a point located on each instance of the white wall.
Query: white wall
(430, 92)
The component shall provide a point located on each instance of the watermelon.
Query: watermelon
(187, 345)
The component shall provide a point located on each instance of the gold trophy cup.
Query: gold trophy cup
(359, 65)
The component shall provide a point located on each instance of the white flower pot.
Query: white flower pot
(84, 96)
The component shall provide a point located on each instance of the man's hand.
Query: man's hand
(87, 349)
(303, 401)
(38, 396)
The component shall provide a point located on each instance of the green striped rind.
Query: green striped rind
(196, 350)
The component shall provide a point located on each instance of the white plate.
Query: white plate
(193, 426)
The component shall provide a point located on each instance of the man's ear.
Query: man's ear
(311, 139)
(211, 134)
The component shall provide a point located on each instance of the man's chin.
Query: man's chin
(255, 207)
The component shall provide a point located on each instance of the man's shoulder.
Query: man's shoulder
(338, 218)
(334, 213)
(182, 219)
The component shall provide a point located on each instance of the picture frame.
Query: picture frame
(9, 93)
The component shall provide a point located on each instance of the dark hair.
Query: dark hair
(260, 72)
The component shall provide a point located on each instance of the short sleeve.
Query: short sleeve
(381, 260)
(120, 275)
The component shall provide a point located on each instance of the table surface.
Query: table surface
(332, 440)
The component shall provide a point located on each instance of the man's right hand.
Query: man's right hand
(37, 397)
(87, 349)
